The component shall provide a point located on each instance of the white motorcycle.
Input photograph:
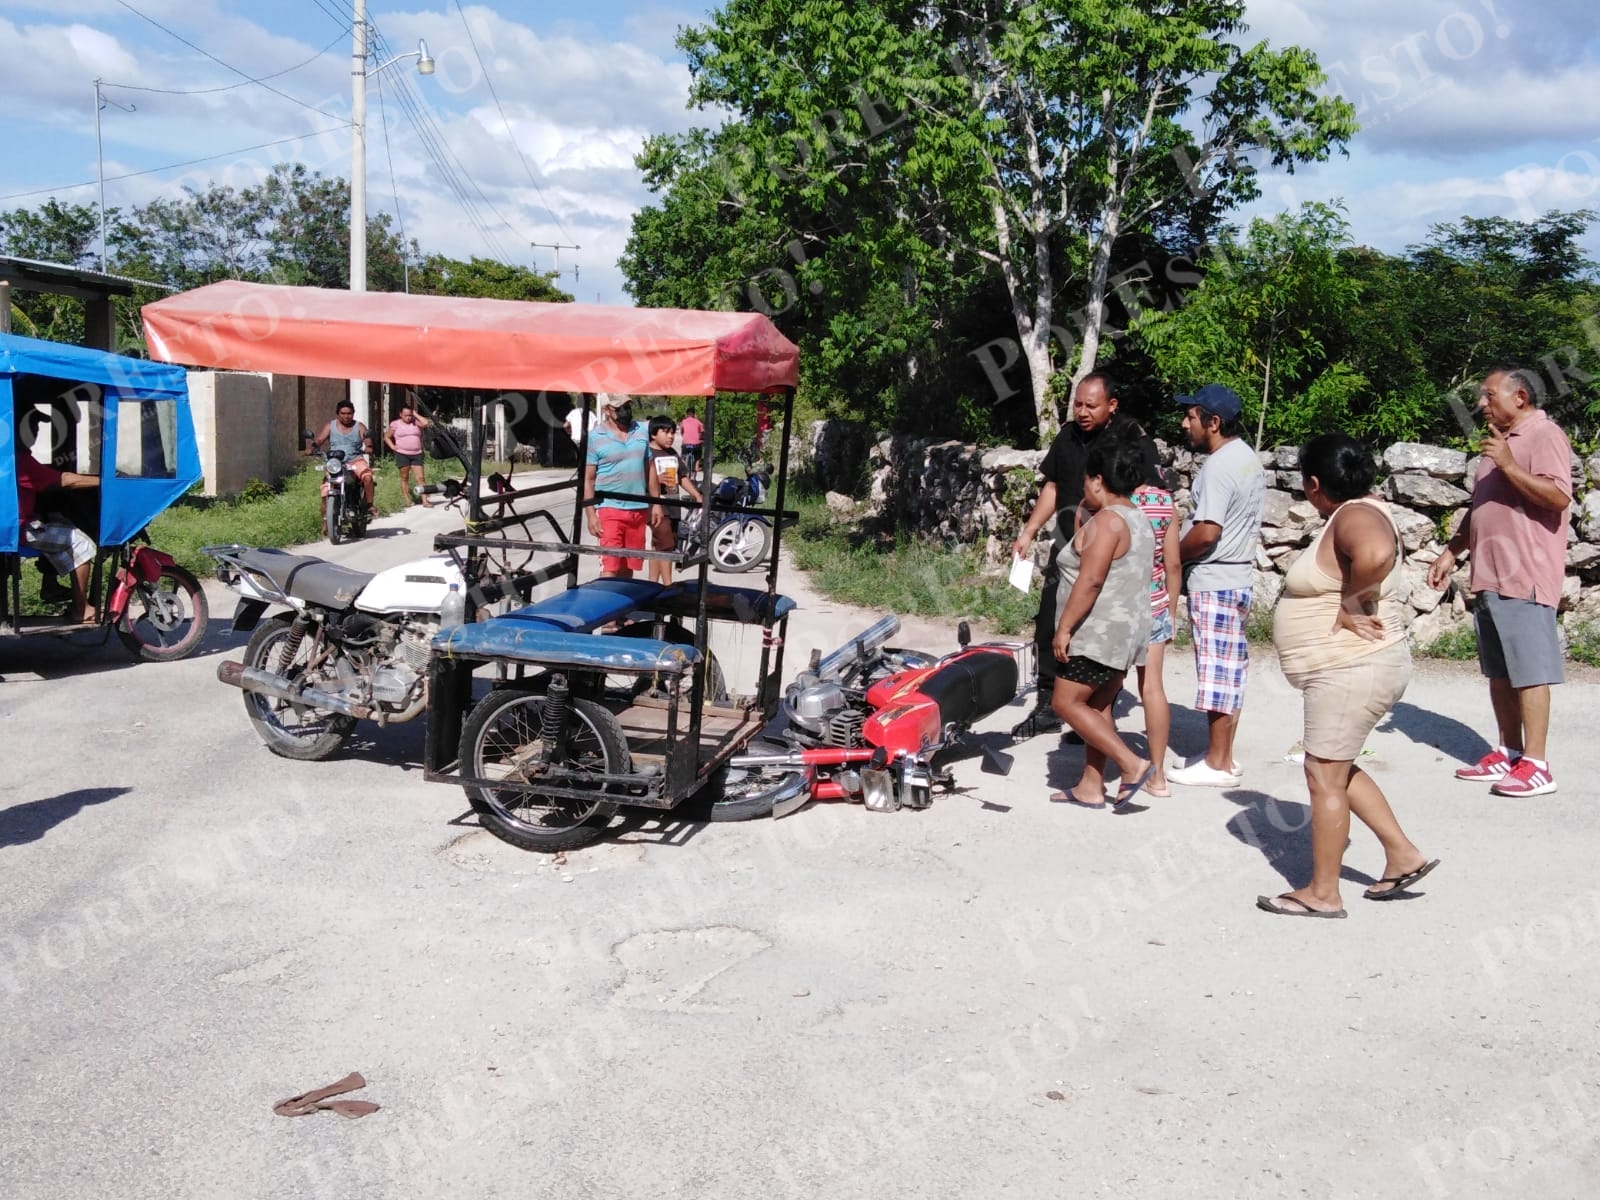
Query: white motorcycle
(350, 646)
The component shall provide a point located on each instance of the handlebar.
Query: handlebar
(854, 652)
(448, 488)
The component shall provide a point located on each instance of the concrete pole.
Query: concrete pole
(358, 182)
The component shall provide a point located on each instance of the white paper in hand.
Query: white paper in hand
(1021, 573)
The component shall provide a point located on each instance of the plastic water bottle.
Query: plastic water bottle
(453, 611)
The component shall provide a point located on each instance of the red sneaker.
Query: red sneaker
(1487, 769)
(1527, 778)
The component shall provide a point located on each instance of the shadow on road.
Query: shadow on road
(1281, 830)
(1426, 728)
(23, 823)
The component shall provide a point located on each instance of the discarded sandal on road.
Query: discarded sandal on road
(1400, 883)
(307, 1103)
(1275, 906)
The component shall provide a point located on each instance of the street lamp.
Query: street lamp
(100, 101)
(359, 74)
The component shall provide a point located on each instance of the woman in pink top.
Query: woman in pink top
(404, 439)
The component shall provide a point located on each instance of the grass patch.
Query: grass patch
(1458, 645)
(901, 575)
(1583, 643)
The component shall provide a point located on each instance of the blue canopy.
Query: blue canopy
(148, 455)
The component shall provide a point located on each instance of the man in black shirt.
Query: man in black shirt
(1094, 415)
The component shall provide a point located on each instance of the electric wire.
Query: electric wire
(72, 187)
(510, 132)
(394, 187)
(242, 74)
(227, 87)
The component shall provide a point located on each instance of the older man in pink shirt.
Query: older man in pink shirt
(1516, 535)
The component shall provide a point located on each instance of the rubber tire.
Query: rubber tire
(331, 522)
(713, 805)
(201, 615)
(716, 682)
(280, 743)
(525, 837)
(755, 559)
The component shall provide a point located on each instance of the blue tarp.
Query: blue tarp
(106, 382)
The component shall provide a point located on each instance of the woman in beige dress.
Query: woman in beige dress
(1341, 641)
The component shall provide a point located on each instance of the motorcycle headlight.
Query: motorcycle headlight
(877, 791)
(335, 468)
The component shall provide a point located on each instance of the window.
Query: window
(147, 439)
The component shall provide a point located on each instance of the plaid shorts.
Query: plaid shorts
(1221, 653)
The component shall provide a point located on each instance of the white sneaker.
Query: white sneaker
(1198, 774)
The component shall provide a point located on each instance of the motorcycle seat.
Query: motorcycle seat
(589, 605)
(972, 685)
(328, 584)
(277, 565)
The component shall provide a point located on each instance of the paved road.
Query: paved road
(997, 996)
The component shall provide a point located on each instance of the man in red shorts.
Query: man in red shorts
(618, 455)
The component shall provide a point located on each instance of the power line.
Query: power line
(510, 132)
(70, 187)
(433, 135)
(227, 87)
(394, 186)
(245, 75)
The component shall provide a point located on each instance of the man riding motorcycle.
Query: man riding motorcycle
(346, 433)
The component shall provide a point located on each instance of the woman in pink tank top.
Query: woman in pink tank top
(404, 439)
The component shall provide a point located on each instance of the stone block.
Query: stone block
(1285, 535)
(1471, 472)
(1592, 469)
(1424, 491)
(1583, 558)
(1430, 627)
(1304, 514)
(1275, 507)
(1415, 590)
(1571, 592)
(1434, 461)
(1587, 516)
(1264, 559)
(1003, 458)
(1265, 588)
(1416, 530)
(1286, 458)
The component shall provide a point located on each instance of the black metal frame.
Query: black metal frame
(450, 678)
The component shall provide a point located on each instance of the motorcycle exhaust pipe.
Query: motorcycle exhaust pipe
(822, 756)
(265, 683)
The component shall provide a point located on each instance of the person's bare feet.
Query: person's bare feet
(1304, 896)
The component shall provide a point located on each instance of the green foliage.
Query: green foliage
(904, 576)
(1583, 643)
(484, 278)
(1459, 644)
(255, 492)
(900, 184)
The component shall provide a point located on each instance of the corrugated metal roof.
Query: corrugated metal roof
(28, 270)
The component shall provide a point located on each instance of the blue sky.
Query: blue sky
(1469, 106)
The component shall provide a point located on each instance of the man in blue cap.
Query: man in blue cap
(1218, 551)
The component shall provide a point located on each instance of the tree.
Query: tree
(437, 275)
(1260, 322)
(917, 142)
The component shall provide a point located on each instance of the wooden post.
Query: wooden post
(100, 324)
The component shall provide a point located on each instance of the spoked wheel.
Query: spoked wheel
(504, 741)
(738, 546)
(166, 619)
(292, 730)
(747, 793)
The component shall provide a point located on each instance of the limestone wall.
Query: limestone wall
(967, 495)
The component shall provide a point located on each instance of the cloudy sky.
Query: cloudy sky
(1468, 106)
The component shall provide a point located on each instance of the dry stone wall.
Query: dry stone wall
(963, 494)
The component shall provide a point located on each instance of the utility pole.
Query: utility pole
(358, 180)
(100, 101)
(558, 247)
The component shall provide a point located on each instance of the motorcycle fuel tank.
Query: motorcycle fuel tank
(419, 586)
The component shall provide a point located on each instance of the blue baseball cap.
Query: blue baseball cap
(1217, 399)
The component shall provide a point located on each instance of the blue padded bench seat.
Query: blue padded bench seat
(589, 605)
(532, 642)
(726, 603)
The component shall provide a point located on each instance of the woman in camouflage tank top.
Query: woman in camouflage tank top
(1103, 619)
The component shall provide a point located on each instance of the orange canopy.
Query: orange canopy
(502, 345)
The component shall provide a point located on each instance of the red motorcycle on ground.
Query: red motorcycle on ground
(875, 724)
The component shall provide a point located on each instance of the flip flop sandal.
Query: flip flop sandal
(1400, 882)
(1133, 787)
(1069, 797)
(1274, 905)
(318, 1100)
